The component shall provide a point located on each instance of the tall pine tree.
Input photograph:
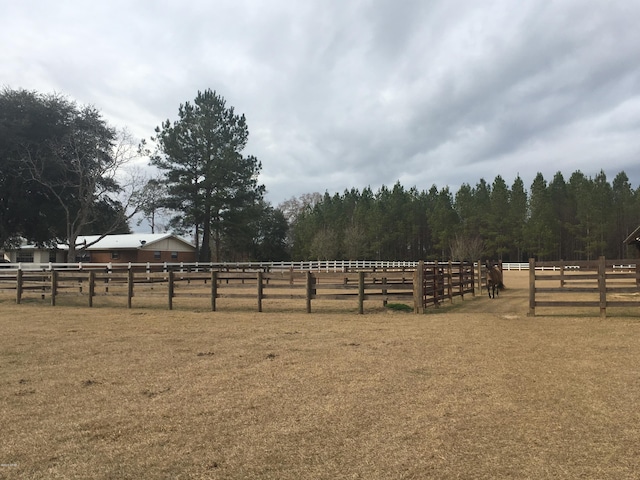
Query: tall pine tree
(209, 181)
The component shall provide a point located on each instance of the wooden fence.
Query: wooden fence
(599, 284)
(430, 284)
(439, 281)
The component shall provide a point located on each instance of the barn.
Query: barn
(134, 248)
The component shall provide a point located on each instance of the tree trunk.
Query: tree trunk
(205, 250)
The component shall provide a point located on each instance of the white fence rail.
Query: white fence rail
(525, 266)
(313, 266)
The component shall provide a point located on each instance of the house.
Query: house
(134, 248)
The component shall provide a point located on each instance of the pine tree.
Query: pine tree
(209, 180)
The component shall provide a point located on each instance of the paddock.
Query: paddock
(423, 285)
(476, 389)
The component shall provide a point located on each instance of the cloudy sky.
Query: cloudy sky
(355, 93)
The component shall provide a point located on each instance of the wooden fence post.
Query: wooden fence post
(434, 279)
(361, 292)
(473, 278)
(92, 287)
(532, 287)
(214, 289)
(602, 286)
(259, 279)
(170, 288)
(418, 279)
(384, 290)
(450, 281)
(18, 286)
(479, 272)
(309, 289)
(54, 287)
(129, 287)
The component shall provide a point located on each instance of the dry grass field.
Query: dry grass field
(474, 390)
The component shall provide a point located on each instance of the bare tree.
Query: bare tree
(466, 248)
(151, 199)
(294, 206)
(354, 240)
(79, 170)
(325, 245)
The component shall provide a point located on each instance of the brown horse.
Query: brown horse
(494, 280)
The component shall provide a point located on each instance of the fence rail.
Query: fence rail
(599, 284)
(313, 266)
(425, 284)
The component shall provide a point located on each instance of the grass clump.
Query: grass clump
(399, 307)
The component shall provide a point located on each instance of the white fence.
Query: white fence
(313, 266)
(525, 266)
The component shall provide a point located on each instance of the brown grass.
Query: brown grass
(473, 390)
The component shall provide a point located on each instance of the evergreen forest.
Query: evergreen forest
(579, 218)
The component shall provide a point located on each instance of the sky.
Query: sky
(342, 94)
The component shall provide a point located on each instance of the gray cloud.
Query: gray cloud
(355, 94)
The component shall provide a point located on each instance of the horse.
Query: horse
(494, 280)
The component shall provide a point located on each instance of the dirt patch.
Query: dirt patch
(513, 301)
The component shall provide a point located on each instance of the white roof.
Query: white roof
(127, 241)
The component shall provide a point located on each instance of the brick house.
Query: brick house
(134, 248)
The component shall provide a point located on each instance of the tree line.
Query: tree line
(576, 219)
(63, 174)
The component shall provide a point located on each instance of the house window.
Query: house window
(156, 255)
(83, 257)
(115, 255)
(174, 255)
(24, 257)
